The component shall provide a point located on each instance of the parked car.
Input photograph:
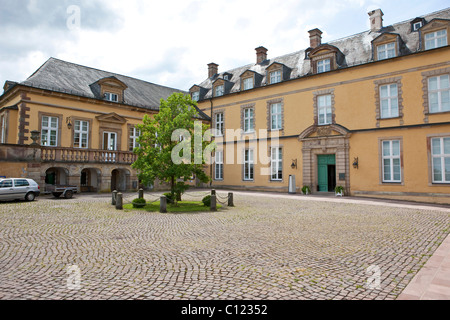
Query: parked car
(18, 189)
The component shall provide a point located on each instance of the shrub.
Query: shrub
(139, 203)
(207, 201)
(306, 190)
(339, 189)
(170, 197)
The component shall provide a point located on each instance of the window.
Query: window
(417, 26)
(135, 133)
(219, 91)
(111, 97)
(218, 166)
(21, 183)
(276, 164)
(248, 165)
(248, 120)
(275, 116)
(389, 101)
(248, 83)
(110, 141)
(441, 159)
(275, 76)
(324, 109)
(6, 184)
(436, 39)
(386, 51)
(196, 95)
(391, 161)
(439, 93)
(49, 132)
(323, 65)
(81, 134)
(3, 128)
(219, 124)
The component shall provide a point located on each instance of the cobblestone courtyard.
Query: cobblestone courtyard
(264, 248)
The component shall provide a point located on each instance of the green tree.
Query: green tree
(172, 145)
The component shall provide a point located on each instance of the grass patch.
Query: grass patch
(183, 206)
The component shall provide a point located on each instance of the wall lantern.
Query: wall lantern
(356, 163)
(294, 164)
(69, 124)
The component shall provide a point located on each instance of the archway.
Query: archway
(120, 179)
(57, 176)
(90, 179)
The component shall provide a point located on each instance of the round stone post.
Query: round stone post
(141, 193)
(114, 197)
(213, 192)
(230, 199)
(213, 203)
(119, 201)
(163, 205)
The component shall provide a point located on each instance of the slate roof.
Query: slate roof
(357, 50)
(65, 77)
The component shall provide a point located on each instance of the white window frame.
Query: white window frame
(277, 116)
(391, 100)
(3, 132)
(324, 109)
(248, 120)
(134, 133)
(219, 91)
(45, 138)
(439, 93)
(219, 122)
(391, 158)
(443, 158)
(82, 133)
(417, 25)
(248, 83)
(218, 165)
(432, 39)
(276, 164)
(196, 95)
(275, 76)
(249, 169)
(323, 65)
(386, 51)
(113, 97)
(109, 139)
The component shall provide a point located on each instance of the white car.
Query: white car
(18, 189)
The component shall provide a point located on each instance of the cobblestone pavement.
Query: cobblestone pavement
(264, 248)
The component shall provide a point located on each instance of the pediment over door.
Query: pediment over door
(332, 130)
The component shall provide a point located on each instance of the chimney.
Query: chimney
(261, 54)
(213, 69)
(315, 38)
(376, 19)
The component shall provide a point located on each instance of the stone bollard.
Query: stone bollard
(114, 197)
(119, 201)
(163, 205)
(230, 199)
(213, 206)
(141, 193)
(213, 192)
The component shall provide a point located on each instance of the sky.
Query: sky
(171, 42)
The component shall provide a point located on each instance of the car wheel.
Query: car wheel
(30, 196)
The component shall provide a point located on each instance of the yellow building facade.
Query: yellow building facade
(370, 113)
(73, 125)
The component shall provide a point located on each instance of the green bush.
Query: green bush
(170, 197)
(139, 203)
(306, 190)
(207, 201)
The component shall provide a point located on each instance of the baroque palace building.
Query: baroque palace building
(369, 112)
(70, 124)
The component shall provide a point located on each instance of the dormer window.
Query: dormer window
(417, 26)
(275, 76)
(219, 91)
(196, 95)
(386, 51)
(323, 65)
(248, 84)
(436, 39)
(111, 97)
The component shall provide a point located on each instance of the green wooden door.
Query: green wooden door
(323, 161)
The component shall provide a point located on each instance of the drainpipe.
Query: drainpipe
(212, 121)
